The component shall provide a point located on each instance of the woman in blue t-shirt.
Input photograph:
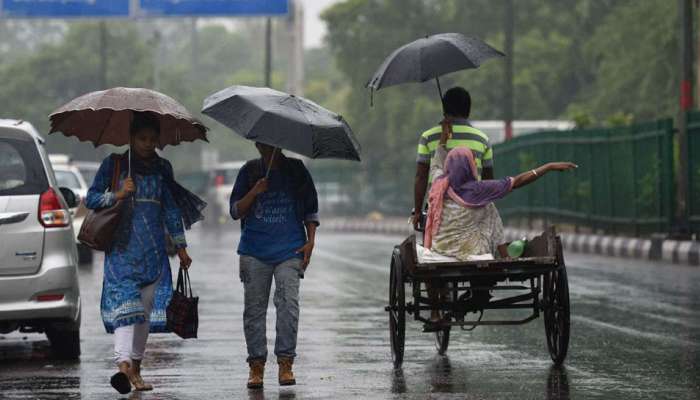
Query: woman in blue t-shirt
(279, 216)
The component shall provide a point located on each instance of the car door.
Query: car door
(22, 182)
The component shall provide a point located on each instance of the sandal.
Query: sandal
(136, 379)
(120, 380)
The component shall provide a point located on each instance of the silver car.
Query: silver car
(69, 176)
(38, 258)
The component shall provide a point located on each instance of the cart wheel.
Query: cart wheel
(556, 311)
(397, 314)
(442, 340)
(397, 310)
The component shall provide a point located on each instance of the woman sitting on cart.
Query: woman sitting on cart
(462, 220)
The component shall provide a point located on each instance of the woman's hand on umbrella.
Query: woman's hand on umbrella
(127, 189)
(561, 166)
(185, 260)
(260, 186)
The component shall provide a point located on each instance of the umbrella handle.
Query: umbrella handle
(129, 173)
(272, 159)
(133, 197)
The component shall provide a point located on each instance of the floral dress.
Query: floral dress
(144, 259)
(465, 231)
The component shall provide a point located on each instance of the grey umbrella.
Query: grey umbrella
(283, 120)
(431, 57)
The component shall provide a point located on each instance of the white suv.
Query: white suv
(38, 259)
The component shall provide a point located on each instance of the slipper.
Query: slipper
(120, 382)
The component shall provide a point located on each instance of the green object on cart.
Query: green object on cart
(516, 248)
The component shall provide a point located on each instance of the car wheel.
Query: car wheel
(65, 344)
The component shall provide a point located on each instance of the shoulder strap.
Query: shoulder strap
(115, 172)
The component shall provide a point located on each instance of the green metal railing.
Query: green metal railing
(694, 170)
(624, 183)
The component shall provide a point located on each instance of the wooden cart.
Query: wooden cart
(536, 281)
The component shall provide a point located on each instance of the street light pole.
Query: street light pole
(508, 92)
(685, 10)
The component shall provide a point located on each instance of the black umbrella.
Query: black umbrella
(430, 57)
(283, 120)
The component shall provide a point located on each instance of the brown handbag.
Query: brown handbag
(97, 230)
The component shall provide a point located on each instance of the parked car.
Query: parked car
(69, 175)
(223, 177)
(88, 169)
(39, 289)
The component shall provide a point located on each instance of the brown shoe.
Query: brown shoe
(136, 379)
(257, 371)
(286, 376)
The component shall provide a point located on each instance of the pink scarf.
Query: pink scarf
(461, 183)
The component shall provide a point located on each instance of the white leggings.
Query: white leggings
(130, 340)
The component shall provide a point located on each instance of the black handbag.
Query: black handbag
(182, 315)
(97, 230)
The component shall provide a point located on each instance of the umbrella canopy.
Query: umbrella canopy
(283, 120)
(104, 117)
(431, 57)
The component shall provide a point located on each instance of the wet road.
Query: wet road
(635, 334)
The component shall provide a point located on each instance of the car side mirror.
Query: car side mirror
(69, 196)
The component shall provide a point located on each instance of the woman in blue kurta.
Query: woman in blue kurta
(137, 281)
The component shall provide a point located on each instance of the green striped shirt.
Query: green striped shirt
(463, 135)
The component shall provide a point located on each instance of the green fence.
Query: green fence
(624, 183)
(694, 170)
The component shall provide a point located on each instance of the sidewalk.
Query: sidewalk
(655, 248)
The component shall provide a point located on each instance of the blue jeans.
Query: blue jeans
(257, 281)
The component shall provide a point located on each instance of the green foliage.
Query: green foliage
(635, 53)
(620, 119)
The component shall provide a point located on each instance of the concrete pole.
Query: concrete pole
(685, 10)
(295, 34)
(508, 81)
(194, 41)
(268, 52)
(102, 73)
(157, 56)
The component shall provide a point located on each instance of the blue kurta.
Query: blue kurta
(144, 260)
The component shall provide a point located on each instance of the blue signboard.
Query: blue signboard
(195, 8)
(63, 8)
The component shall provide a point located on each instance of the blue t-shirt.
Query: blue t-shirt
(272, 231)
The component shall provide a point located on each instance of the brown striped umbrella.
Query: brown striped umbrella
(104, 117)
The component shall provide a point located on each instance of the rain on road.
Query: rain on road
(635, 334)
